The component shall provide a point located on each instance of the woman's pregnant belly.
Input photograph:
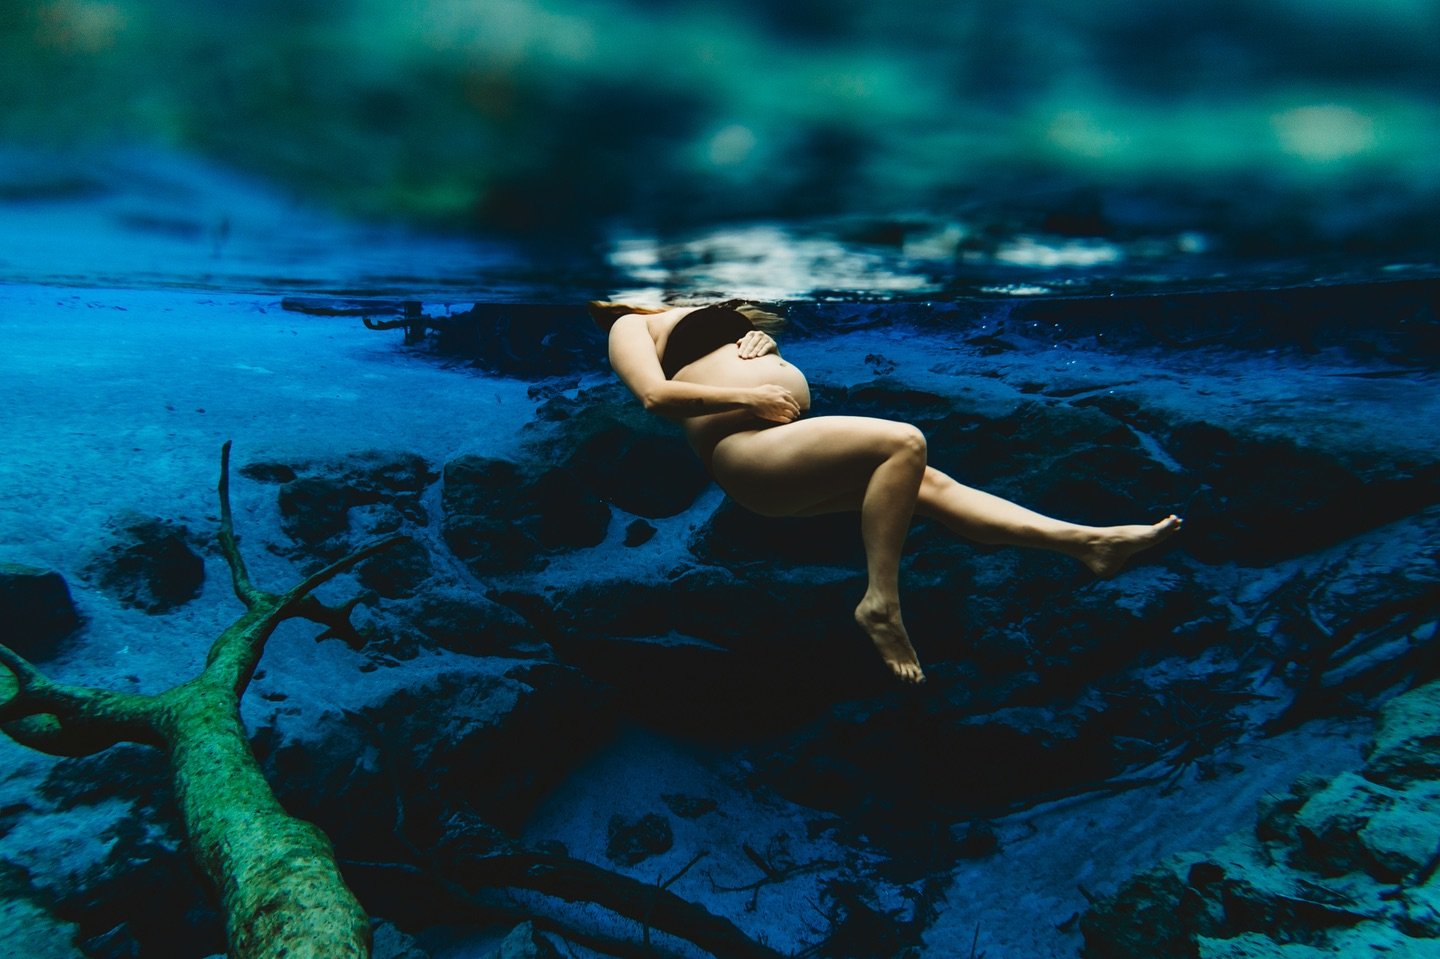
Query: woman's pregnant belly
(724, 367)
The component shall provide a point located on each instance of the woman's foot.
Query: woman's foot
(1108, 549)
(881, 622)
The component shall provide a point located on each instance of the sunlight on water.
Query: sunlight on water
(140, 219)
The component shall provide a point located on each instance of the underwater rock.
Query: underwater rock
(376, 491)
(1356, 825)
(632, 841)
(126, 771)
(315, 508)
(129, 889)
(865, 757)
(1262, 500)
(1108, 483)
(522, 340)
(977, 840)
(399, 572)
(485, 734)
(473, 625)
(500, 517)
(268, 471)
(37, 609)
(1406, 747)
(464, 839)
(388, 942)
(27, 928)
(1341, 866)
(648, 474)
(712, 652)
(148, 564)
(735, 535)
(524, 942)
(490, 546)
(1368, 940)
(141, 897)
(560, 512)
(638, 533)
(1356, 620)
(689, 807)
(630, 458)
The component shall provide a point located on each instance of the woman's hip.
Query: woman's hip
(788, 468)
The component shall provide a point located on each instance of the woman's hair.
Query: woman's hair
(606, 312)
(762, 319)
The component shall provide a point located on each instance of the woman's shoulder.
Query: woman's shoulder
(662, 322)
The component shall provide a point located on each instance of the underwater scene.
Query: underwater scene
(361, 596)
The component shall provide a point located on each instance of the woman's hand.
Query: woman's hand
(774, 403)
(756, 343)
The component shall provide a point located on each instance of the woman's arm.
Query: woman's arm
(632, 356)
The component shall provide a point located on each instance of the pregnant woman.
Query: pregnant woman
(712, 370)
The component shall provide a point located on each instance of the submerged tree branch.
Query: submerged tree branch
(575, 880)
(279, 887)
(245, 590)
(64, 720)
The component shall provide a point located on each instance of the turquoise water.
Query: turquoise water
(146, 219)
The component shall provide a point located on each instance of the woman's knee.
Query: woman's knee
(907, 441)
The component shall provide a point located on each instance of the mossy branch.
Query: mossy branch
(64, 720)
(235, 654)
(279, 887)
(229, 547)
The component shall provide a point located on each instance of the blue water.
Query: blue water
(1103, 356)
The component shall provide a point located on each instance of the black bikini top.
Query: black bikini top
(699, 333)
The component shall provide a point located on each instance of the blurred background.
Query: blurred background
(1263, 127)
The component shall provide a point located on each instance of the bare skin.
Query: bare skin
(741, 407)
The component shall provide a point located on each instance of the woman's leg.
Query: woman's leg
(986, 518)
(834, 463)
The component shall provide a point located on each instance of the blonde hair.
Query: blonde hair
(606, 312)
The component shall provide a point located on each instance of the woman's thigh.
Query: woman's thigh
(810, 466)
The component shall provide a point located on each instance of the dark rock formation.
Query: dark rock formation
(501, 516)
(735, 536)
(646, 474)
(466, 623)
(633, 841)
(629, 458)
(1264, 500)
(524, 942)
(37, 610)
(133, 891)
(371, 493)
(489, 736)
(638, 533)
(1344, 867)
(399, 573)
(148, 564)
(689, 807)
(388, 942)
(523, 341)
(27, 927)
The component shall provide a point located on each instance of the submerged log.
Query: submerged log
(279, 886)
